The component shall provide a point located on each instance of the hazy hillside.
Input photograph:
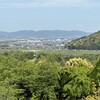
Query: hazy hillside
(43, 34)
(88, 42)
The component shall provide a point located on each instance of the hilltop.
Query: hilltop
(91, 42)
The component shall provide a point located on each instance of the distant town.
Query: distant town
(31, 43)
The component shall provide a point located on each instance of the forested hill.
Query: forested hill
(91, 42)
(43, 34)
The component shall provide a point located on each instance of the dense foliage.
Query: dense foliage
(31, 76)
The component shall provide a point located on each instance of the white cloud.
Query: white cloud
(49, 3)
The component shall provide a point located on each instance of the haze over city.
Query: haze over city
(50, 15)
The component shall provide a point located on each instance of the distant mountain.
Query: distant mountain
(91, 42)
(43, 34)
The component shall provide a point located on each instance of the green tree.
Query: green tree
(74, 82)
(47, 79)
(95, 75)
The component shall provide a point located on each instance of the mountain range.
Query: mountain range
(42, 34)
(91, 42)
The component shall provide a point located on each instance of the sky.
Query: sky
(83, 15)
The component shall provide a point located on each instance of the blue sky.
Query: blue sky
(50, 14)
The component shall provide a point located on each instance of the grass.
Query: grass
(72, 52)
